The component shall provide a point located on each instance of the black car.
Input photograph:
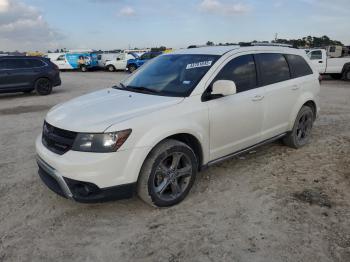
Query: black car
(25, 74)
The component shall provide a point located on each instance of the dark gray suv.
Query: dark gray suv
(25, 74)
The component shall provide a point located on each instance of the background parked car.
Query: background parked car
(24, 74)
(120, 62)
(133, 64)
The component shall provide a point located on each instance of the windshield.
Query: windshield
(170, 75)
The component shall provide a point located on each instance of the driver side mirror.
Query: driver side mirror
(118, 59)
(224, 88)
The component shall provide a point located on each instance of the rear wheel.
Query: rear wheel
(168, 174)
(347, 75)
(301, 133)
(83, 68)
(110, 68)
(43, 86)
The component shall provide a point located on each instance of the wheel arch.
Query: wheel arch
(307, 99)
(346, 67)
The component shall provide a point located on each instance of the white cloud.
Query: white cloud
(4, 4)
(218, 7)
(127, 11)
(23, 27)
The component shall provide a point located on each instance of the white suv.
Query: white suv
(181, 112)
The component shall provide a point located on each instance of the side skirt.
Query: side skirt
(221, 159)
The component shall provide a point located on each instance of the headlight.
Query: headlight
(100, 143)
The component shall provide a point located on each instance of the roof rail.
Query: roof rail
(265, 44)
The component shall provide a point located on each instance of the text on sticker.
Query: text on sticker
(199, 64)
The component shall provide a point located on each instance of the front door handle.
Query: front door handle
(258, 98)
(295, 87)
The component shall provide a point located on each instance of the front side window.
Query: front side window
(315, 55)
(61, 58)
(170, 75)
(273, 68)
(298, 66)
(240, 70)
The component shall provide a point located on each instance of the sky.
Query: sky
(30, 25)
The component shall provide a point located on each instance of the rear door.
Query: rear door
(18, 73)
(236, 120)
(281, 93)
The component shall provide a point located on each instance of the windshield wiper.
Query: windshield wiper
(120, 86)
(141, 89)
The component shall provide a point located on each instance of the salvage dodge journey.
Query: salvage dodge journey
(181, 112)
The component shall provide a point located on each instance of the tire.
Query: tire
(336, 76)
(43, 86)
(83, 68)
(111, 68)
(132, 68)
(160, 183)
(301, 133)
(347, 75)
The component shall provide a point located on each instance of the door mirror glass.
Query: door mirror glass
(224, 87)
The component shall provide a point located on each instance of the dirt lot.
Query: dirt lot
(273, 204)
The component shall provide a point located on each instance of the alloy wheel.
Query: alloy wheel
(172, 176)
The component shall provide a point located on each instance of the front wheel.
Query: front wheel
(168, 174)
(110, 68)
(43, 86)
(301, 133)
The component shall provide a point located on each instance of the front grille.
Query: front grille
(57, 140)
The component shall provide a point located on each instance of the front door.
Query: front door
(319, 60)
(236, 120)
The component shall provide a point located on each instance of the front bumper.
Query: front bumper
(80, 191)
(107, 176)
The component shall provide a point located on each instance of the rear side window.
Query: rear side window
(242, 71)
(298, 66)
(273, 68)
(36, 63)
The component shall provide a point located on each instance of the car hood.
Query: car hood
(97, 111)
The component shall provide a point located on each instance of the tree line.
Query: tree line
(305, 42)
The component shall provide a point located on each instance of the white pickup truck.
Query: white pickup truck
(119, 62)
(337, 68)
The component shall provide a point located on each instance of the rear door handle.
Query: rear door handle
(320, 62)
(258, 98)
(295, 87)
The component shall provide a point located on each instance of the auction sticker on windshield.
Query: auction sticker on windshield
(199, 64)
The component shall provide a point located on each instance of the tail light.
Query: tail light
(320, 79)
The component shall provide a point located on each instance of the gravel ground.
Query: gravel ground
(272, 204)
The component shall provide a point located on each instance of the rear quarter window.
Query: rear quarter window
(273, 68)
(36, 63)
(298, 66)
